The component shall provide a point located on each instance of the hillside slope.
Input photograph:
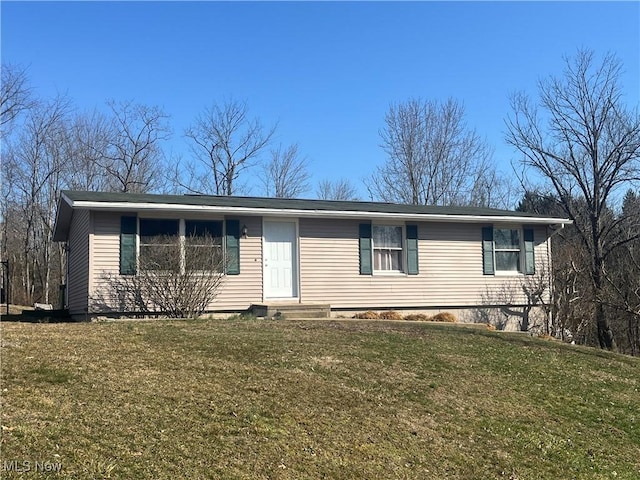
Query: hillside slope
(250, 399)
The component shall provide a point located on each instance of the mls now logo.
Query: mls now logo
(29, 466)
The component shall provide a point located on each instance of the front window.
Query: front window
(203, 245)
(387, 248)
(159, 244)
(507, 249)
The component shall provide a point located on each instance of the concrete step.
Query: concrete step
(291, 310)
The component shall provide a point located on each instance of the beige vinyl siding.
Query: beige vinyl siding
(507, 288)
(450, 262)
(105, 255)
(78, 263)
(237, 292)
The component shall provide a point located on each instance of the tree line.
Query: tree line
(579, 144)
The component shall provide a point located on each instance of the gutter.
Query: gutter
(300, 213)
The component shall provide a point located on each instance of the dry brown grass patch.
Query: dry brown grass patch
(444, 317)
(368, 315)
(390, 315)
(417, 317)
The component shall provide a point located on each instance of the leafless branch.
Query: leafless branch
(433, 157)
(285, 175)
(226, 143)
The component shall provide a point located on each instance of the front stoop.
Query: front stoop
(291, 310)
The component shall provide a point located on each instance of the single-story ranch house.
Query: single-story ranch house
(352, 256)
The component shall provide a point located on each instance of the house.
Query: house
(349, 255)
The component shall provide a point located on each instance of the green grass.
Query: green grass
(250, 399)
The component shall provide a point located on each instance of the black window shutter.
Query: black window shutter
(128, 230)
(232, 245)
(365, 249)
(487, 251)
(529, 253)
(412, 249)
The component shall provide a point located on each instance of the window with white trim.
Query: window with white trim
(387, 246)
(203, 245)
(159, 244)
(507, 248)
(177, 245)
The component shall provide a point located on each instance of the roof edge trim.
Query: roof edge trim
(253, 211)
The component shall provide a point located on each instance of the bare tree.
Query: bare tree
(433, 157)
(36, 164)
(623, 296)
(341, 189)
(135, 157)
(587, 147)
(573, 306)
(285, 175)
(225, 142)
(15, 98)
(623, 278)
(13, 227)
(491, 189)
(89, 137)
(15, 95)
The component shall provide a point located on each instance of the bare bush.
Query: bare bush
(368, 315)
(518, 300)
(417, 317)
(390, 315)
(174, 280)
(444, 317)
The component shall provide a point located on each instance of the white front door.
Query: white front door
(280, 260)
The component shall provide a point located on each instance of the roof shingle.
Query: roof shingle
(290, 204)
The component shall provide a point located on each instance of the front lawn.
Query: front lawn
(250, 399)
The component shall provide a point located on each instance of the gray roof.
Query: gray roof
(288, 204)
(247, 206)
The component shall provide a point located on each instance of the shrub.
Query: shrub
(417, 317)
(390, 315)
(369, 315)
(444, 317)
(170, 280)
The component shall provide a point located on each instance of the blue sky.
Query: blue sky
(325, 71)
